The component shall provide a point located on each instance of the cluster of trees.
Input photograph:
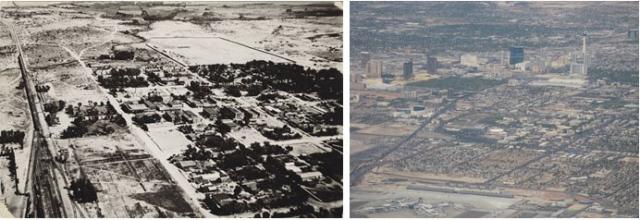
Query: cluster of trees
(332, 117)
(199, 91)
(324, 131)
(123, 77)
(53, 107)
(51, 119)
(78, 128)
(247, 173)
(186, 129)
(13, 167)
(233, 91)
(256, 150)
(326, 162)
(152, 77)
(11, 136)
(221, 127)
(216, 73)
(294, 78)
(91, 111)
(114, 91)
(300, 210)
(42, 88)
(234, 160)
(80, 125)
(304, 211)
(280, 179)
(153, 97)
(206, 145)
(252, 89)
(83, 190)
(269, 96)
(197, 153)
(158, 15)
(144, 119)
(226, 113)
(119, 120)
(329, 213)
(230, 208)
(282, 133)
(255, 89)
(219, 142)
(326, 83)
(329, 11)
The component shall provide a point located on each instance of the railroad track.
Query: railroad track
(46, 199)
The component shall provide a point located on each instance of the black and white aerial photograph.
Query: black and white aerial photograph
(121, 109)
(494, 109)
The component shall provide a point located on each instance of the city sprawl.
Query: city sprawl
(494, 109)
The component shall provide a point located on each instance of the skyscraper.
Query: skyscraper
(407, 69)
(516, 55)
(373, 69)
(633, 35)
(580, 61)
(585, 56)
(432, 65)
(366, 57)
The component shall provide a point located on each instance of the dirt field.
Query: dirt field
(417, 176)
(290, 39)
(13, 105)
(389, 129)
(129, 181)
(170, 140)
(14, 115)
(213, 50)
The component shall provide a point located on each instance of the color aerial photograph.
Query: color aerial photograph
(171, 109)
(494, 109)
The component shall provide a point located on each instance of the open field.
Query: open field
(389, 129)
(212, 50)
(125, 177)
(170, 140)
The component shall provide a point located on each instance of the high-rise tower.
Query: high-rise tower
(580, 60)
(373, 69)
(407, 69)
(585, 56)
(516, 55)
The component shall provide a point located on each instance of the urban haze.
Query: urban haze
(494, 109)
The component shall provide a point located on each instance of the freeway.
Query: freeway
(43, 178)
(366, 166)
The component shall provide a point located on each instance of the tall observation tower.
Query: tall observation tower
(580, 59)
(585, 56)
